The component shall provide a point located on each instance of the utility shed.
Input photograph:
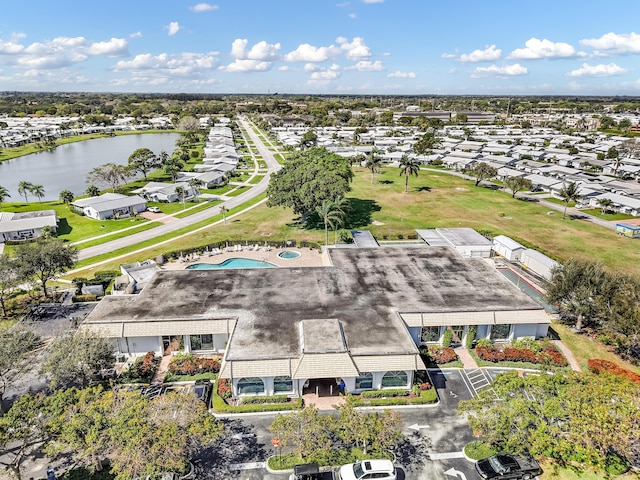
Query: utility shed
(466, 241)
(538, 263)
(508, 248)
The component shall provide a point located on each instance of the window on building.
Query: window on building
(250, 386)
(430, 334)
(365, 380)
(500, 332)
(282, 384)
(395, 379)
(201, 342)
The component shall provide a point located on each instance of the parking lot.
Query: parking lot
(433, 438)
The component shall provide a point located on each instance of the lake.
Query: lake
(67, 166)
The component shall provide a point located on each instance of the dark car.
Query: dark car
(505, 466)
(307, 471)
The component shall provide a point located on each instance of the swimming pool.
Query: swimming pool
(289, 254)
(232, 263)
(527, 288)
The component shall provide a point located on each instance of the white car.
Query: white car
(368, 469)
(154, 210)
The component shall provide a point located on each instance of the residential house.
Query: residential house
(26, 225)
(109, 205)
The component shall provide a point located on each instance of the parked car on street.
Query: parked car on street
(306, 471)
(154, 210)
(508, 467)
(368, 469)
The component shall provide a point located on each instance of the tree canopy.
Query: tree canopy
(18, 345)
(309, 178)
(143, 160)
(483, 171)
(517, 184)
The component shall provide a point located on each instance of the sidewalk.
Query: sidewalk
(465, 357)
(573, 363)
(163, 368)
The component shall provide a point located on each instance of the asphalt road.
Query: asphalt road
(254, 191)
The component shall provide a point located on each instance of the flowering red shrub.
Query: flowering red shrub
(148, 365)
(442, 355)
(425, 386)
(224, 389)
(597, 365)
(548, 356)
(190, 365)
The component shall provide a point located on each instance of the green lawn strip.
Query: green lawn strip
(559, 202)
(478, 449)
(584, 348)
(256, 179)
(200, 207)
(237, 191)
(596, 212)
(170, 377)
(219, 190)
(335, 458)
(118, 234)
(553, 471)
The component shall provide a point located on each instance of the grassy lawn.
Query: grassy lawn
(237, 191)
(219, 190)
(199, 207)
(554, 472)
(584, 348)
(256, 179)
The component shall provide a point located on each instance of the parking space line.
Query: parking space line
(467, 382)
(445, 456)
(247, 466)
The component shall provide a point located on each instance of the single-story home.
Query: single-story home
(360, 320)
(109, 205)
(26, 225)
(165, 192)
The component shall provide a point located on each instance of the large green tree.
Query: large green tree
(143, 160)
(45, 259)
(517, 184)
(24, 188)
(4, 194)
(66, 196)
(373, 163)
(10, 277)
(110, 174)
(306, 431)
(307, 179)
(425, 144)
(75, 357)
(570, 192)
(18, 347)
(483, 171)
(329, 215)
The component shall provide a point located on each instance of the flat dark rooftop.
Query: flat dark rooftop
(364, 290)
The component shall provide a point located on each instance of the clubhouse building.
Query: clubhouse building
(361, 319)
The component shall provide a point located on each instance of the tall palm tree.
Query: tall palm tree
(570, 192)
(196, 183)
(605, 204)
(373, 163)
(24, 187)
(341, 208)
(4, 194)
(93, 191)
(37, 191)
(223, 211)
(328, 213)
(408, 166)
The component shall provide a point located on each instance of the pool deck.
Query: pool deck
(308, 258)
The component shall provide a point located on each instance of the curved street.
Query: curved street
(232, 202)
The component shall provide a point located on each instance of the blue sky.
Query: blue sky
(481, 47)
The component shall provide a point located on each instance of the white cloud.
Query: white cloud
(399, 74)
(238, 48)
(367, 66)
(311, 67)
(353, 15)
(612, 43)
(136, 35)
(355, 50)
(372, 1)
(203, 7)
(536, 48)
(260, 51)
(116, 47)
(322, 77)
(179, 64)
(609, 70)
(174, 27)
(283, 68)
(496, 71)
(246, 65)
(448, 55)
(309, 53)
(489, 54)
(10, 47)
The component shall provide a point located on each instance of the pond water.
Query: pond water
(67, 166)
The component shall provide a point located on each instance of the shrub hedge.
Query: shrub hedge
(549, 355)
(392, 392)
(265, 399)
(597, 365)
(188, 364)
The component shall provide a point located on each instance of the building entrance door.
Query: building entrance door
(457, 334)
(170, 344)
(323, 387)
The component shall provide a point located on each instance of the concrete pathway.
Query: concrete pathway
(573, 362)
(465, 357)
(323, 403)
(163, 368)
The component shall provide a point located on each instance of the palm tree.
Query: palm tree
(66, 196)
(38, 191)
(373, 163)
(24, 187)
(93, 191)
(4, 194)
(196, 183)
(182, 193)
(328, 214)
(340, 207)
(408, 166)
(605, 204)
(223, 211)
(570, 192)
